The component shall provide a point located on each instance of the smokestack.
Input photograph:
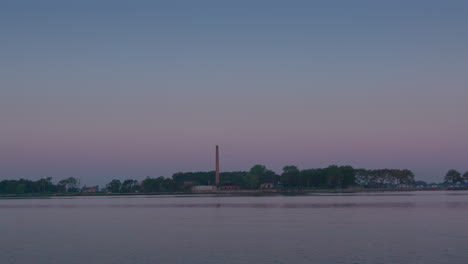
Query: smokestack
(217, 166)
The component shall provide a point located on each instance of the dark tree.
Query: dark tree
(251, 181)
(258, 170)
(290, 176)
(162, 184)
(313, 178)
(114, 186)
(453, 176)
(70, 184)
(130, 186)
(265, 175)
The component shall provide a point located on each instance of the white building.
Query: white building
(204, 188)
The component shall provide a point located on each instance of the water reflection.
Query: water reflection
(398, 228)
(376, 205)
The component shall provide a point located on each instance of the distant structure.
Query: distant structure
(217, 180)
(211, 188)
(204, 188)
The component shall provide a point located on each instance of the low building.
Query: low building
(91, 190)
(204, 188)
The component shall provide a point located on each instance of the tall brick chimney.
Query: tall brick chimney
(217, 166)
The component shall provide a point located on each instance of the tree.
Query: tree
(129, 186)
(151, 184)
(162, 184)
(406, 177)
(339, 177)
(258, 170)
(266, 176)
(383, 177)
(465, 177)
(251, 181)
(203, 178)
(453, 176)
(269, 176)
(43, 185)
(347, 176)
(114, 186)
(315, 178)
(290, 176)
(71, 184)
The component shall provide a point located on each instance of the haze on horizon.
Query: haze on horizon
(127, 89)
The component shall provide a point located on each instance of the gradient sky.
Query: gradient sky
(127, 89)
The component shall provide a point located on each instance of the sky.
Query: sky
(99, 90)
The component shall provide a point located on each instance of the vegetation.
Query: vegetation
(385, 177)
(43, 185)
(114, 186)
(330, 177)
(453, 176)
(127, 186)
(160, 184)
(291, 177)
(69, 184)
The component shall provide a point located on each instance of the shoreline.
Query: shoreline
(237, 192)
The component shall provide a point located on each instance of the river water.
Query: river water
(403, 227)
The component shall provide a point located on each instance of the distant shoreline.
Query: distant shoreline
(237, 192)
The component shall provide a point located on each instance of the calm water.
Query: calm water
(412, 227)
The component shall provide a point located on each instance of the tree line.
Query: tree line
(43, 185)
(291, 177)
(455, 177)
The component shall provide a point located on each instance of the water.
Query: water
(411, 227)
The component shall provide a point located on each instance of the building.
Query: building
(204, 188)
(91, 190)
